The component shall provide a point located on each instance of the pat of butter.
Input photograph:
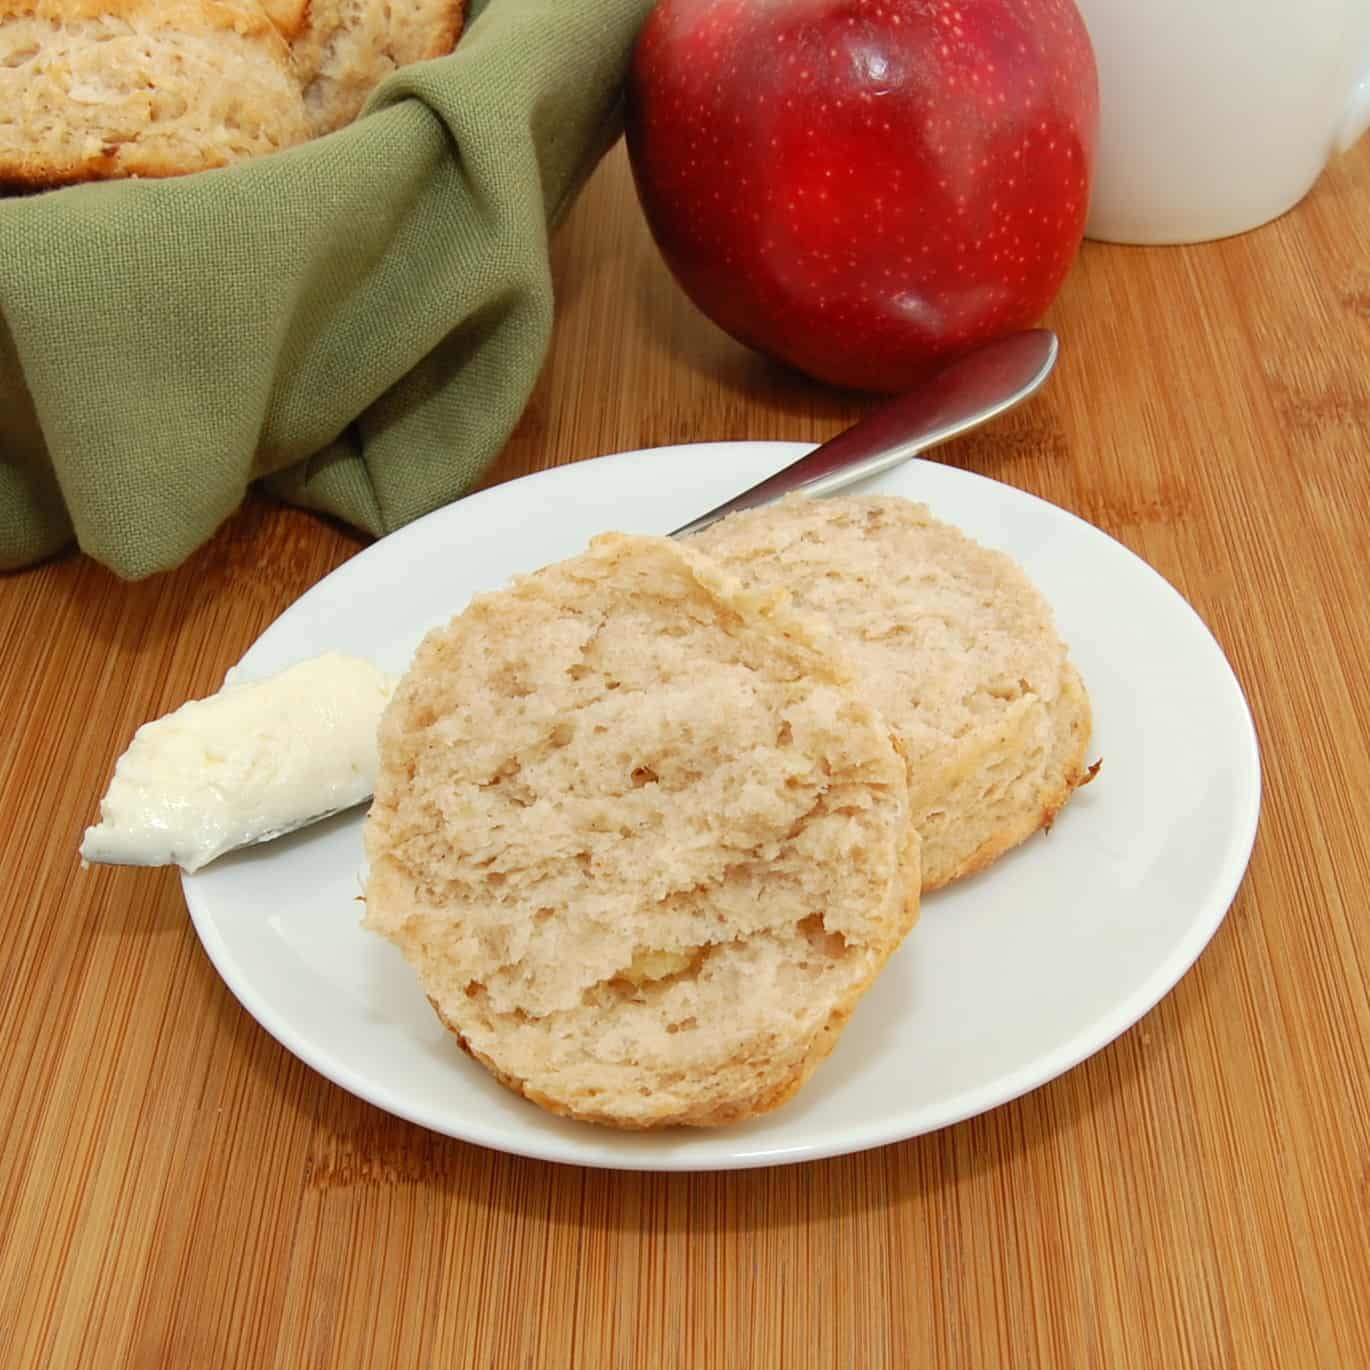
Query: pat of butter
(251, 762)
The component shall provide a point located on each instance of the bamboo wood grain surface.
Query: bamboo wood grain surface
(176, 1190)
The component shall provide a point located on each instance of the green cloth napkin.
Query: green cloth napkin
(357, 322)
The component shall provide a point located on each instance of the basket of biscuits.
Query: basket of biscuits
(294, 242)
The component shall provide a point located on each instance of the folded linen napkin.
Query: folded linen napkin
(357, 322)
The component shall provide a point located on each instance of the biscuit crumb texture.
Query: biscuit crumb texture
(641, 838)
(953, 644)
(104, 89)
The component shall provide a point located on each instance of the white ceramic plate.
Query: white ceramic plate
(1009, 978)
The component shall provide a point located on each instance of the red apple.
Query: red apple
(862, 188)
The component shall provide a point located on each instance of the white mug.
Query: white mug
(1218, 115)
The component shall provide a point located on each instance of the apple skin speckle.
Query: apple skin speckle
(863, 188)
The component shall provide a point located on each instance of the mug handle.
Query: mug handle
(1357, 118)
